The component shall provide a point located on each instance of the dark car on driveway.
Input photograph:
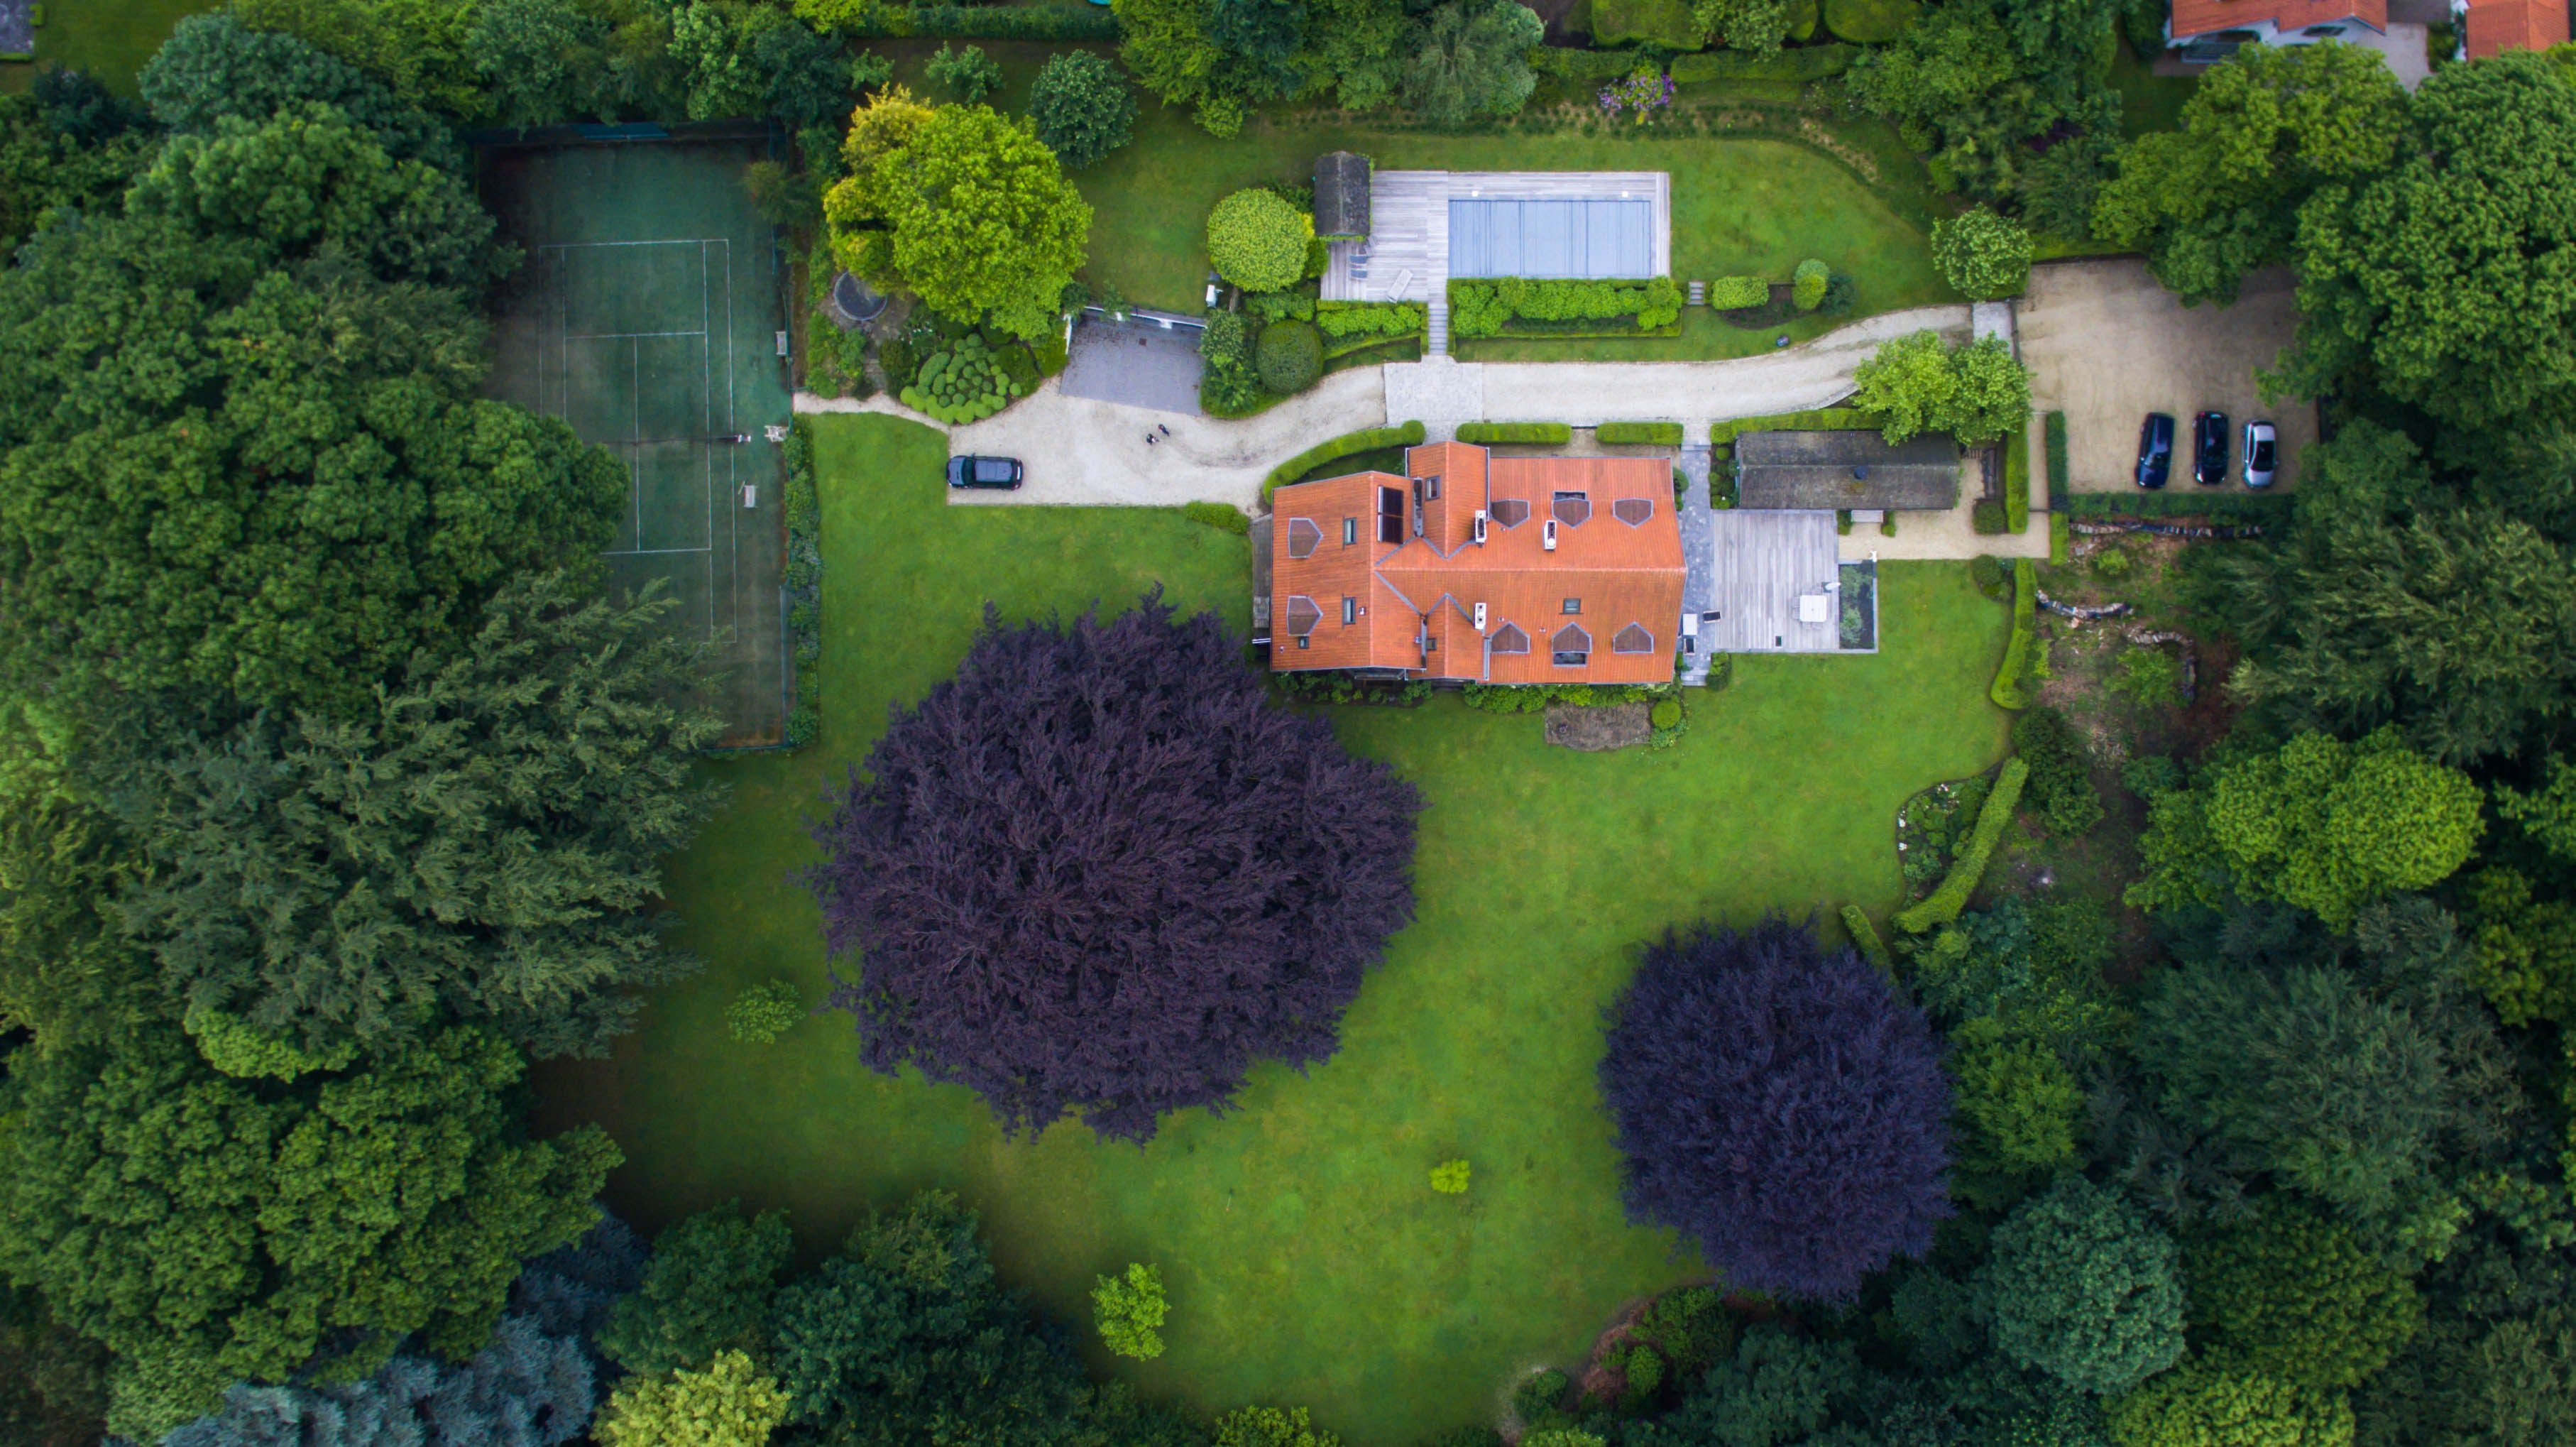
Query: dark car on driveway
(2209, 449)
(984, 472)
(2155, 450)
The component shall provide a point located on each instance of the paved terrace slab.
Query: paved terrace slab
(1407, 254)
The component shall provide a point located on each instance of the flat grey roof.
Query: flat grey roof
(1342, 194)
(1831, 470)
(1552, 238)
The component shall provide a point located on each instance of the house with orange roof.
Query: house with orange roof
(2492, 27)
(1473, 568)
(2211, 30)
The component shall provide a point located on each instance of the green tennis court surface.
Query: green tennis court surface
(646, 315)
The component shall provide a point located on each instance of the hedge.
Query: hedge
(1591, 67)
(1647, 434)
(1556, 433)
(1987, 517)
(1865, 939)
(988, 22)
(2017, 481)
(1805, 63)
(1218, 516)
(1366, 440)
(1836, 419)
(1942, 905)
(2055, 425)
(2011, 689)
(2137, 502)
(1870, 21)
(1485, 308)
(1371, 318)
(1735, 293)
(2060, 534)
(803, 584)
(1666, 24)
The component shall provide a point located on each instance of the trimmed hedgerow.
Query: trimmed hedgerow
(1488, 308)
(1339, 319)
(1865, 939)
(1944, 904)
(1646, 434)
(1533, 433)
(804, 582)
(1218, 516)
(2011, 688)
(2055, 425)
(1736, 293)
(2017, 481)
(1532, 697)
(1367, 440)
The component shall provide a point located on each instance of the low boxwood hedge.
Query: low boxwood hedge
(1533, 433)
(1737, 293)
(1865, 939)
(1366, 440)
(1942, 905)
(2055, 426)
(1822, 419)
(2011, 688)
(1648, 434)
(1801, 63)
(1218, 516)
(2017, 481)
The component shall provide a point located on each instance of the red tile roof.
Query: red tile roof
(1411, 602)
(2496, 26)
(2204, 17)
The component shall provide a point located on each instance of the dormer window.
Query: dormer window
(1350, 611)
(1634, 511)
(1302, 617)
(1350, 531)
(1509, 639)
(1303, 538)
(1571, 509)
(1571, 647)
(1511, 512)
(1573, 605)
(1632, 639)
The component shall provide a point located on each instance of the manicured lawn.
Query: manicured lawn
(1309, 1262)
(110, 39)
(2148, 102)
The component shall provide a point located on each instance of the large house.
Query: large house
(2208, 30)
(1481, 569)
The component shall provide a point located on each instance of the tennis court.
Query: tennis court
(646, 315)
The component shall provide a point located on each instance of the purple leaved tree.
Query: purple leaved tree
(1098, 871)
(1780, 1107)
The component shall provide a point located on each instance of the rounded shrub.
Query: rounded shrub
(1666, 714)
(1807, 284)
(1981, 254)
(1081, 107)
(1737, 293)
(1257, 241)
(1289, 356)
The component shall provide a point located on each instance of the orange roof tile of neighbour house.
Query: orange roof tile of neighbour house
(2208, 17)
(2496, 26)
(1577, 577)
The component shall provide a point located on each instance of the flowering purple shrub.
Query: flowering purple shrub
(1641, 94)
(1780, 1107)
(1098, 871)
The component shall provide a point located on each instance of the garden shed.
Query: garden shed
(1828, 471)
(1342, 196)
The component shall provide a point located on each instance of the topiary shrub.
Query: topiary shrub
(999, 877)
(1665, 714)
(1257, 240)
(965, 383)
(1289, 356)
(1982, 255)
(1986, 516)
(1779, 1106)
(1807, 284)
(1740, 293)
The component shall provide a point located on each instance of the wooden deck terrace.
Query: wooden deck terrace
(1405, 257)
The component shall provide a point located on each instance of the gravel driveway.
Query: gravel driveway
(2107, 345)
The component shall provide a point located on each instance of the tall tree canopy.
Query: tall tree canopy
(240, 441)
(2086, 1288)
(1099, 871)
(965, 206)
(1779, 1107)
(214, 67)
(2260, 134)
(253, 1225)
(2448, 281)
(1974, 80)
(483, 841)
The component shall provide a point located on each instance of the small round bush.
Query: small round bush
(1257, 240)
(1666, 714)
(763, 1012)
(2112, 563)
(1289, 356)
(1981, 254)
(1807, 284)
(1987, 571)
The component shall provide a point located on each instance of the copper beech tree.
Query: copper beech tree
(1099, 872)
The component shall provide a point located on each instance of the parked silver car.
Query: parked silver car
(2262, 454)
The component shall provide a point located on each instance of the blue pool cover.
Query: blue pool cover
(1551, 238)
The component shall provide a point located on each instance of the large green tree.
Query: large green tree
(1974, 80)
(483, 840)
(966, 207)
(241, 444)
(210, 1229)
(1473, 64)
(706, 1290)
(2205, 1404)
(2448, 280)
(2260, 134)
(2296, 1294)
(1977, 393)
(2085, 1287)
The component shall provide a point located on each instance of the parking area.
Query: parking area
(1139, 361)
(2107, 345)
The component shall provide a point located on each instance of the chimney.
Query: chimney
(1480, 527)
(1547, 539)
(1480, 618)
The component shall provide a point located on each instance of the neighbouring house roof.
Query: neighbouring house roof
(2207, 17)
(1820, 471)
(1413, 572)
(2496, 26)
(1341, 196)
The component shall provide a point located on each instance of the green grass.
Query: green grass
(2148, 102)
(1309, 1262)
(110, 39)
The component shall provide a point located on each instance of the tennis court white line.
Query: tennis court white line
(650, 552)
(674, 241)
(622, 336)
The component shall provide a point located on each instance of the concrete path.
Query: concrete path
(1094, 453)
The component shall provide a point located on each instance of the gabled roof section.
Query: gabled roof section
(1342, 196)
(2208, 17)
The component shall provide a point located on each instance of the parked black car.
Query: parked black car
(2209, 449)
(984, 472)
(2155, 450)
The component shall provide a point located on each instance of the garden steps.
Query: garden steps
(1699, 293)
(1437, 344)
